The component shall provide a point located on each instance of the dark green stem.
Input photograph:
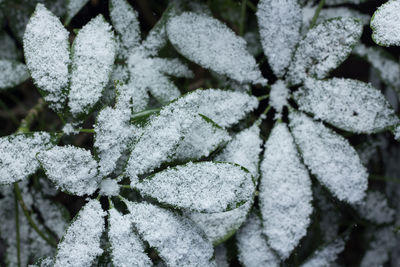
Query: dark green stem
(251, 6)
(17, 231)
(260, 98)
(87, 131)
(31, 116)
(242, 17)
(316, 14)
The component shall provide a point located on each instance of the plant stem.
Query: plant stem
(29, 218)
(316, 14)
(383, 178)
(144, 113)
(242, 17)
(260, 98)
(251, 6)
(17, 230)
(86, 131)
(31, 116)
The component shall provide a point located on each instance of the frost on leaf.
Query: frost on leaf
(225, 108)
(127, 248)
(211, 44)
(93, 54)
(376, 208)
(347, 104)
(244, 149)
(125, 21)
(220, 226)
(330, 158)
(112, 137)
(109, 187)
(73, 7)
(8, 49)
(81, 243)
(326, 255)
(12, 73)
(131, 97)
(202, 187)
(324, 48)
(279, 23)
(278, 97)
(285, 192)
(17, 155)
(46, 51)
(387, 66)
(177, 240)
(71, 168)
(252, 245)
(385, 24)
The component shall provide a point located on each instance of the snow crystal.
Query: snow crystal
(46, 51)
(8, 49)
(347, 104)
(279, 24)
(278, 97)
(131, 97)
(385, 24)
(127, 248)
(326, 255)
(220, 226)
(70, 129)
(252, 245)
(71, 168)
(383, 62)
(12, 73)
(81, 244)
(92, 60)
(211, 44)
(73, 7)
(109, 187)
(17, 155)
(177, 240)
(203, 187)
(330, 158)
(125, 21)
(285, 192)
(376, 208)
(112, 137)
(324, 48)
(244, 149)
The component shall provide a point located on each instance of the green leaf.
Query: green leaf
(347, 104)
(385, 24)
(324, 48)
(202, 187)
(12, 73)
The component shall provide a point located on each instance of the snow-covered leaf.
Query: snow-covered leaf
(279, 24)
(202, 187)
(385, 24)
(127, 248)
(376, 208)
(324, 48)
(125, 21)
(330, 158)
(73, 7)
(244, 149)
(46, 51)
(93, 54)
(71, 168)
(278, 97)
(17, 155)
(81, 243)
(285, 192)
(386, 65)
(252, 245)
(348, 104)
(12, 73)
(326, 255)
(177, 240)
(8, 49)
(220, 226)
(382, 242)
(211, 44)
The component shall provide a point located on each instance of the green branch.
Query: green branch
(31, 116)
(242, 17)
(316, 14)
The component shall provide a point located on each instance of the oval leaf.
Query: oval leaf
(127, 248)
(17, 155)
(81, 244)
(324, 48)
(71, 168)
(330, 158)
(12, 73)
(252, 245)
(385, 24)
(347, 104)
(211, 44)
(46, 50)
(203, 187)
(177, 240)
(326, 255)
(279, 25)
(93, 54)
